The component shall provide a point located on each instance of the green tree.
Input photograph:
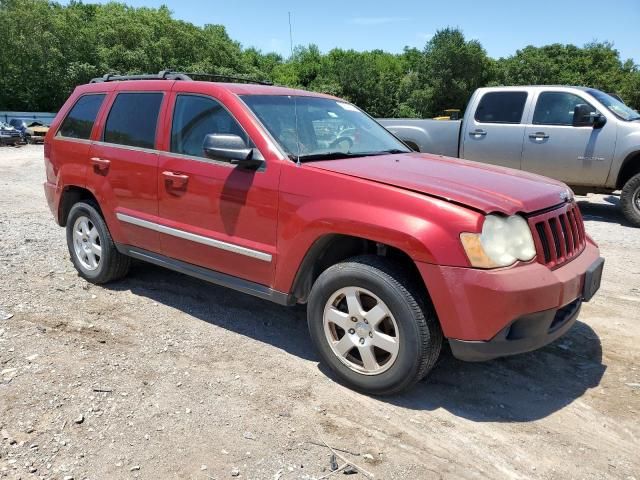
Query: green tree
(451, 68)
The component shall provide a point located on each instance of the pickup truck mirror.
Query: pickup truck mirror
(233, 149)
(599, 120)
(584, 116)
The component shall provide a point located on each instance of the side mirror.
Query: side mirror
(584, 116)
(599, 120)
(232, 149)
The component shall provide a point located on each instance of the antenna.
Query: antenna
(290, 36)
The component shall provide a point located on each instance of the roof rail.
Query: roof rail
(227, 78)
(163, 75)
(171, 75)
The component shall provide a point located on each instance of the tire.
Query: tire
(82, 241)
(630, 200)
(411, 323)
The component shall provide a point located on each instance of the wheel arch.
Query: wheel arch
(629, 168)
(71, 195)
(334, 248)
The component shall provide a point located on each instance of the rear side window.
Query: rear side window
(501, 107)
(133, 119)
(556, 108)
(80, 120)
(194, 118)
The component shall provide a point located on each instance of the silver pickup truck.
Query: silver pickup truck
(581, 136)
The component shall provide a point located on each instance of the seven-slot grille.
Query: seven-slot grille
(558, 235)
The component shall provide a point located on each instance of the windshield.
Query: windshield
(314, 128)
(616, 107)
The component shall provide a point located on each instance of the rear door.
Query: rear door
(215, 214)
(555, 148)
(494, 133)
(125, 165)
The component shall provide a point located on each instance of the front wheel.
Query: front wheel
(630, 200)
(369, 324)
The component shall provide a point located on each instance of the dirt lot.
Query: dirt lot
(163, 376)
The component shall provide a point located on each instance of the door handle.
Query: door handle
(175, 180)
(538, 136)
(478, 132)
(100, 165)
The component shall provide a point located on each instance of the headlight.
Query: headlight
(503, 241)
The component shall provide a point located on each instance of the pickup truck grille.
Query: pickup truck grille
(558, 235)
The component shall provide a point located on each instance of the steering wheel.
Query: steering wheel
(343, 143)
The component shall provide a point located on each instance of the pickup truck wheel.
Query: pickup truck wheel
(369, 324)
(630, 200)
(91, 247)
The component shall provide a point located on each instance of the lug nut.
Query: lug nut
(361, 340)
(352, 331)
(366, 321)
(354, 319)
(371, 334)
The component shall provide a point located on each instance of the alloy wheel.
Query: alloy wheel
(87, 243)
(361, 330)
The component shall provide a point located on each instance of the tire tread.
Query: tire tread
(629, 211)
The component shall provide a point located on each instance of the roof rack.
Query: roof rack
(171, 75)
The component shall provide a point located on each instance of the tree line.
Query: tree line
(48, 49)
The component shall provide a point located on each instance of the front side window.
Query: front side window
(316, 128)
(556, 108)
(501, 107)
(195, 117)
(80, 120)
(133, 119)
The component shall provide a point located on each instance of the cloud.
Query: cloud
(376, 20)
(423, 36)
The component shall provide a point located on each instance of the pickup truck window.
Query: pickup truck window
(133, 119)
(615, 106)
(80, 120)
(314, 128)
(556, 108)
(195, 117)
(501, 107)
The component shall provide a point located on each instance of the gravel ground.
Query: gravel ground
(164, 376)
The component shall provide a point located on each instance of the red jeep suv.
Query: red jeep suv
(298, 197)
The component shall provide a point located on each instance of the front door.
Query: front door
(216, 214)
(555, 148)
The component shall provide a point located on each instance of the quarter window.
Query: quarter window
(556, 108)
(80, 120)
(501, 107)
(133, 119)
(194, 118)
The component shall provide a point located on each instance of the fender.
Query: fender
(630, 166)
(316, 203)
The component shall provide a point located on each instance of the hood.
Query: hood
(487, 188)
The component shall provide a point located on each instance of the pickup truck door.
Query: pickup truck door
(493, 132)
(214, 214)
(555, 148)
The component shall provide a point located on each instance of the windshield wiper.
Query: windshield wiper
(329, 156)
(339, 155)
(392, 151)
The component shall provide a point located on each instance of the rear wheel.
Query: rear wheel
(92, 250)
(630, 200)
(369, 324)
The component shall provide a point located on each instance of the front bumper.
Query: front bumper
(525, 334)
(490, 313)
